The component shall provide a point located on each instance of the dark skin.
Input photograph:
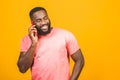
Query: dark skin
(26, 58)
(79, 63)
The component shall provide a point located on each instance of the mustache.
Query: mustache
(44, 25)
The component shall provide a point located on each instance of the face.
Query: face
(42, 22)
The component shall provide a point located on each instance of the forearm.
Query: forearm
(77, 69)
(26, 60)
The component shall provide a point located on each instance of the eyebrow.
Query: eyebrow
(40, 18)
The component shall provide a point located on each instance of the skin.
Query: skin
(41, 19)
(25, 60)
(79, 63)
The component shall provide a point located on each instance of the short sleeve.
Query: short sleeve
(25, 44)
(72, 45)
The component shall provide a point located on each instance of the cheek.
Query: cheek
(48, 21)
(38, 24)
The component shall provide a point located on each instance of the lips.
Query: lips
(44, 27)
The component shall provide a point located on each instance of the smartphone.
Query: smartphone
(35, 27)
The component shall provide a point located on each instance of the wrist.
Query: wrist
(34, 44)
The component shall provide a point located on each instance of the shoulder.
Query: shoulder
(26, 38)
(62, 31)
(67, 35)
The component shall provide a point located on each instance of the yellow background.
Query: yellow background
(95, 24)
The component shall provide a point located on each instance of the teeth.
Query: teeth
(44, 27)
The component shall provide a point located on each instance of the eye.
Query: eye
(38, 20)
(45, 18)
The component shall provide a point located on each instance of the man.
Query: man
(46, 50)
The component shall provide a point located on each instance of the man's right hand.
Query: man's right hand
(26, 58)
(33, 34)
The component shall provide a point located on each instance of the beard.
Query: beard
(41, 32)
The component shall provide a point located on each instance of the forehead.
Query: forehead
(39, 14)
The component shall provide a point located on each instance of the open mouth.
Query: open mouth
(44, 28)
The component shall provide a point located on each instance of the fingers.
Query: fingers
(31, 28)
(32, 31)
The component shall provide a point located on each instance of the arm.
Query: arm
(79, 63)
(26, 58)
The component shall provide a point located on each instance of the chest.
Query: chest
(55, 45)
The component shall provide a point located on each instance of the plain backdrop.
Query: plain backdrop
(95, 24)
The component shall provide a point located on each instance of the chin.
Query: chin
(44, 32)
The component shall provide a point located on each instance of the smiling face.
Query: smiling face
(42, 22)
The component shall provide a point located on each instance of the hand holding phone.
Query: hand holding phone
(33, 33)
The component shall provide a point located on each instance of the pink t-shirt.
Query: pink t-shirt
(51, 60)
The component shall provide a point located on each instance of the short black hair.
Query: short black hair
(35, 10)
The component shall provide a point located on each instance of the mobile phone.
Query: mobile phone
(35, 27)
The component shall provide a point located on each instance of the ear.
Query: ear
(32, 23)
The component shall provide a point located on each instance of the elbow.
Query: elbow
(22, 71)
(22, 68)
